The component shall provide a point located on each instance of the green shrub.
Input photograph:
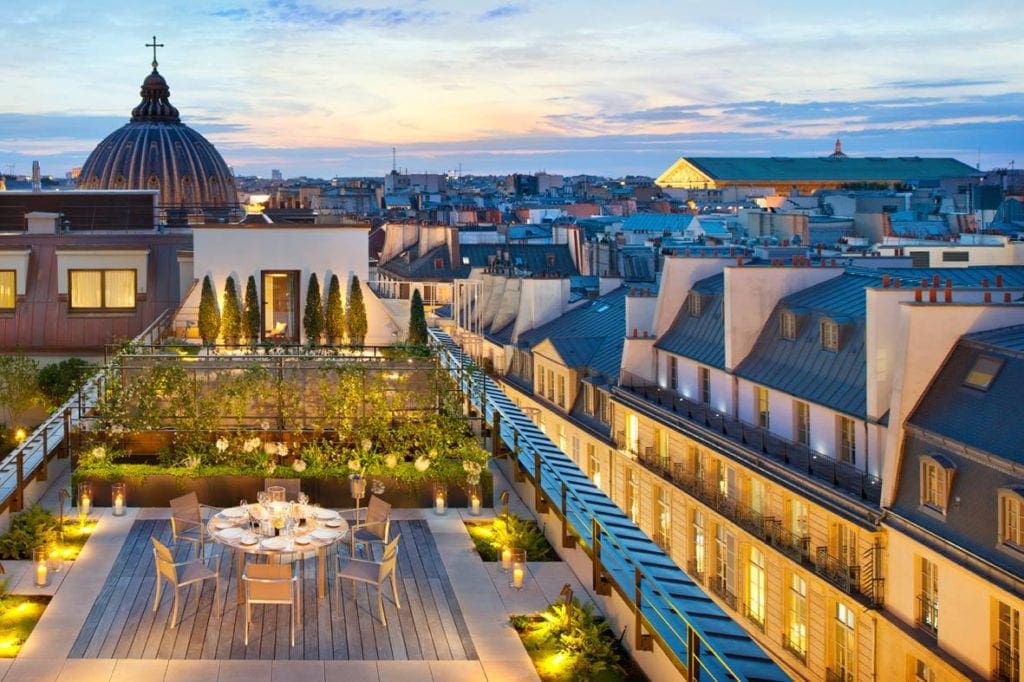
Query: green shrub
(231, 316)
(59, 381)
(357, 325)
(417, 320)
(511, 531)
(251, 312)
(31, 528)
(209, 313)
(19, 389)
(335, 318)
(313, 315)
(571, 644)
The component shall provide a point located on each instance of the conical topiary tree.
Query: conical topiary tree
(417, 320)
(209, 313)
(356, 310)
(334, 323)
(313, 315)
(251, 312)
(231, 315)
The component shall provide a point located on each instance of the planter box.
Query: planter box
(225, 491)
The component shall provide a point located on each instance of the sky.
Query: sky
(321, 88)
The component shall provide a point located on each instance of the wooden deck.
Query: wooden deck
(429, 626)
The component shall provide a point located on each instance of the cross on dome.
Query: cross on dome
(154, 45)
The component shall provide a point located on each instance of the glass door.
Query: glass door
(280, 306)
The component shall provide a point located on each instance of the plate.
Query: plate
(302, 540)
(233, 512)
(334, 523)
(248, 540)
(322, 534)
(274, 543)
(231, 533)
(326, 514)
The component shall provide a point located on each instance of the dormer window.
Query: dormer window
(983, 373)
(830, 335)
(936, 482)
(1011, 517)
(788, 325)
(693, 304)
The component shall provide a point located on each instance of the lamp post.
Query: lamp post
(567, 593)
(504, 504)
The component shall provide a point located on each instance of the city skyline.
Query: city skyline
(328, 89)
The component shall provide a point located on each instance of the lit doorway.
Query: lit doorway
(280, 306)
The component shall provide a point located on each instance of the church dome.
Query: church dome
(155, 150)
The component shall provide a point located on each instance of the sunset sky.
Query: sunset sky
(327, 88)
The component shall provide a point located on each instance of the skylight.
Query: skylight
(983, 373)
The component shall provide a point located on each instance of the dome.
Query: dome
(155, 150)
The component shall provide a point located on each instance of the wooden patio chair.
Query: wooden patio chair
(292, 487)
(372, 573)
(187, 521)
(182, 574)
(374, 527)
(272, 584)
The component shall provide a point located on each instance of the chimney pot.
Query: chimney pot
(634, 332)
(917, 295)
(988, 297)
(935, 281)
(897, 283)
(933, 295)
(999, 280)
(924, 282)
(949, 283)
(1007, 297)
(984, 282)
(948, 295)
(739, 261)
(885, 281)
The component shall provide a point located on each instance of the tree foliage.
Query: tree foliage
(57, 382)
(19, 390)
(209, 313)
(313, 315)
(335, 320)
(357, 324)
(251, 312)
(417, 320)
(231, 316)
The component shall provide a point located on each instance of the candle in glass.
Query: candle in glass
(85, 503)
(517, 578)
(474, 505)
(506, 558)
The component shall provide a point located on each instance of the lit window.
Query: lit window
(101, 289)
(1011, 517)
(983, 373)
(761, 407)
(844, 544)
(698, 563)
(694, 304)
(758, 497)
(829, 335)
(796, 616)
(7, 290)
(551, 385)
(1007, 648)
(802, 422)
(928, 598)
(663, 517)
(561, 390)
(844, 645)
(726, 480)
(787, 324)
(921, 671)
(540, 381)
(632, 495)
(725, 565)
(936, 481)
(593, 465)
(756, 587)
(847, 439)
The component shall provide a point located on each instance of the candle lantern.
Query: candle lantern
(474, 499)
(518, 573)
(440, 499)
(506, 558)
(276, 493)
(84, 500)
(117, 498)
(40, 558)
(54, 558)
(357, 489)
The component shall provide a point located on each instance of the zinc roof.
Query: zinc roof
(828, 168)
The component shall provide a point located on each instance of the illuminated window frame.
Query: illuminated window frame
(8, 306)
(103, 307)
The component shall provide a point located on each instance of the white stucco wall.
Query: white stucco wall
(677, 278)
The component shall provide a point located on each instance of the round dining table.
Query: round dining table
(323, 529)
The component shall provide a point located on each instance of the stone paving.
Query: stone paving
(481, 589)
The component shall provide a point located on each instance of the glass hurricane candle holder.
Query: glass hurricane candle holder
(40, 560)
(84, 500)
(117, 498)
(440, 499)
(276, 493)
(54, 558)
(474, 500)
(506, 558)
(517, 576)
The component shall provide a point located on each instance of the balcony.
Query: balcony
(695, 571)
(838, 675)
(1007, 663)
(835, 570)
(657, 463)
(751, 437)
(756, 618)
(720, 588)
(796, 647)
(796, 547)
(928, 614)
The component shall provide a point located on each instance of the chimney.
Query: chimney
(933, 295)
(948, 295)
(999, 281)
(454, 256)
(988, 297)
(885, 281)
(1007, 297)
(41, 222)
(917, 295)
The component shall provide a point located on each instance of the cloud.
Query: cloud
(939, 83)
(232, 13)
(503, 12)
(312, 16)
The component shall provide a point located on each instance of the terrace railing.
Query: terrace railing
(669, 607)
(756, 438)
(52, 439)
